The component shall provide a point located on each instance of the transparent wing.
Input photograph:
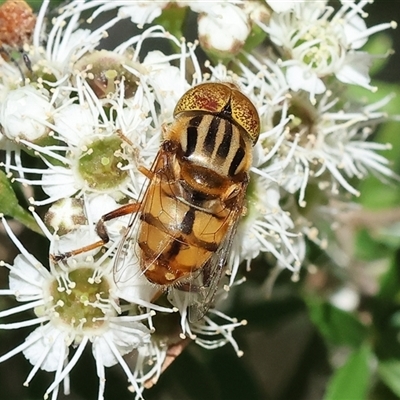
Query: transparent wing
(204, 285)
(128, 242)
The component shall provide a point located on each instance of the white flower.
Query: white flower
(65, 42)
(98, 150)
(267, 228)
(281, 6)
(330, 144)
(167, 81)
(209, 332)
(305, 143)
(316, 43)
(25, 114)
(223, 26)
(143, 12)
(75, 303)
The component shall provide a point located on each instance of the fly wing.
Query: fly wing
(156, 225)
(204, 285)
(125, 247)
(127, 244)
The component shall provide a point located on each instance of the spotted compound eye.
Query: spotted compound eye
(245, 114)
(215, 98)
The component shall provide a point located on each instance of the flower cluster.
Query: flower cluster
(94, 119)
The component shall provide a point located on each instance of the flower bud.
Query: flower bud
(224, 30)
(24, 114)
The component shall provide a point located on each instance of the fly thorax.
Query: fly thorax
(202, 179)
(214, 143)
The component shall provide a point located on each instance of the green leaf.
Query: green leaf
(351, 381)
(377, 193)
(379, 44)
(9, 205)
(365, 96)
(390, 235)
(369, 248)
(389, 372)
(390, 283)
(337, 326)
(36, 4)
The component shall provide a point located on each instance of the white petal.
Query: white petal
(80, 237)
(355, 69)
(125, 336)
(100, 346)
(281, 6)
(143, 12)
(47, 339)
(60, 184)
(62, 54)
(25, 278)
(302, 78)
(75, 123)
(352, 29)
(248, 243)
(128, 335)
(103, 204)
(100, 205)
(156, 60)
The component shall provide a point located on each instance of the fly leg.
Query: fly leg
(145, 171)
(9, 57)
(101, 230)
(27, 60)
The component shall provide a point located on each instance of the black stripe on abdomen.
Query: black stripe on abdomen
(192, 135)
(209, 141)
(223, 148)
(188, 221)
(236, 161)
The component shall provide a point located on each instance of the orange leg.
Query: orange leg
(145, 171)
(101, 230)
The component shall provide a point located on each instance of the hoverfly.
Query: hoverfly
(17, 23)
(195, 197)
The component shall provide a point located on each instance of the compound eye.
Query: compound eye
(245, 114)
(207, 97)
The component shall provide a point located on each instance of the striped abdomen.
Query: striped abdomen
(177, 238)
(214, 142)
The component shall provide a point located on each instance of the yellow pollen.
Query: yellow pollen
(169, 276)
